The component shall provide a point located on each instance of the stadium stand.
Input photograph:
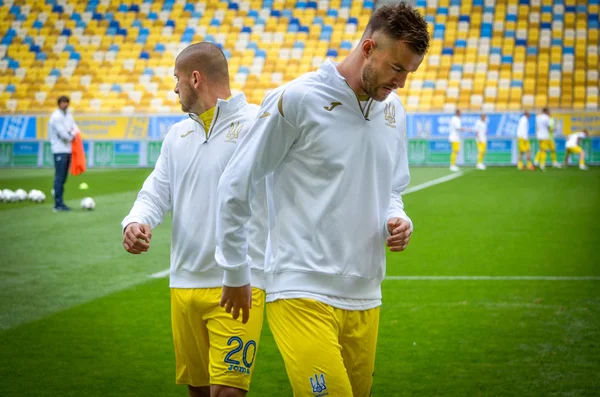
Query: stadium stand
(117, 57)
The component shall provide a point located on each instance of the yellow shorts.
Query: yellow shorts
(211, 348)
(524, 145)
(455, 146)
(544, 145)
(481, 147)
(574, 150)
(551, 145)
(327, 351)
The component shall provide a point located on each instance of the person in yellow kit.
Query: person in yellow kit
(524, 145)
(573, 147)
(214, 353)
(481, 138)
(552, 143)
(542, 132)
(454, 138)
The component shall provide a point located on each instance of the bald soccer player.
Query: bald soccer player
(214, 353)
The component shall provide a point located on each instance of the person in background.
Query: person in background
(573, 146)
(552, 143)
(454, 138)
(524, 144)
(481, 138)
(61, 131)
(542, 133)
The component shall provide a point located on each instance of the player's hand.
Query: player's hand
(234, 299)
(400, 232)
(136, 238)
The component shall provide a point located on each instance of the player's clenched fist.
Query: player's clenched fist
(136, 238)
(400, 232)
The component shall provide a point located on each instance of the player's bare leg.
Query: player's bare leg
(226, 391)
(203, 391)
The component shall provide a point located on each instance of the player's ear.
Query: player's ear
(368, 46)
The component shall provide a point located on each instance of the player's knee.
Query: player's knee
(226, 391)
(203, 391)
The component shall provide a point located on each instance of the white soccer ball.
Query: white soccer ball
(21, 194)
(88, 203)
(9, 196)
(40, 197)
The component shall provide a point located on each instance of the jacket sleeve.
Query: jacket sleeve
(154, 200)
(263, 148)
(400, 178)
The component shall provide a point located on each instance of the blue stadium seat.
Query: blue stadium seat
(111, 31)
(546, 25)
(555, 66)
(159, 47)
(460, 43)
(244, 70)
(547, 9)
(35, 48)
(301, 5)
(215, 22)
(233, 6)
(352, 21)
(10, 88)
(442, 11)
(516, 84)
(116, 88)
(447, 51)
(260, 54)
(557, 42)
(507, 59)
(332, 13)
(123, 8)
(40, 56)
(54, 72)
(464, 18)
(66, 32)
(134, 8)
(532, 50)
(38, 25)
(246, 29)
(148, 72)
(170, 23)
(510, 34)
(318, 21)
(253, 14)
(152, 16)
(189, 7)
(227, 53)
(252, 46)
(12, 64)
(332, 52)
(428, 84)
(304, 29)
(346, 45)
(569, 50)
(144, 55)
(570, 9)
(311, 5)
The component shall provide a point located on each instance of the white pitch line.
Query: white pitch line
(161, 274)
(497, 278)
(432, 182)
(413, 189)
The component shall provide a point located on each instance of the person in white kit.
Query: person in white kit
(212, 350)
(524, 146)
(454, 138)
(573, 146)
(333, 143)
(481, 139)
(61, 131)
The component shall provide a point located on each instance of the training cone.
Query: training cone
(83, 186)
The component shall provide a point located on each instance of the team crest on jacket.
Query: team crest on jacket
(390, 115)
(234, 132)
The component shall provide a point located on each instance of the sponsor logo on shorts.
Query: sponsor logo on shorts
(319, 387)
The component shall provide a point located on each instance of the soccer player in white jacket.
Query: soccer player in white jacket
(454, 137)
(481, 139)
(214, 352)
(523, 142)
(573, 146)
(333, 143)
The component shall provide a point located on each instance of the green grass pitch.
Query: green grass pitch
(79, 316)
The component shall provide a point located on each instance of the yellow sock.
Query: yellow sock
(581, 161)
(480, 157)
(553, 156)
(453, 158)
(543, 159)
(529, 163)
(520, 164)
(537, 156)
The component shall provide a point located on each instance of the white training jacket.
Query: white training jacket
(542, 126)
(338, 169)
(61, 131)
(523, 128)
(185, 181)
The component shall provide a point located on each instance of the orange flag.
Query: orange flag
(77, 155)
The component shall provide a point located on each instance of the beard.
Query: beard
(370, 84)
(188, 101)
